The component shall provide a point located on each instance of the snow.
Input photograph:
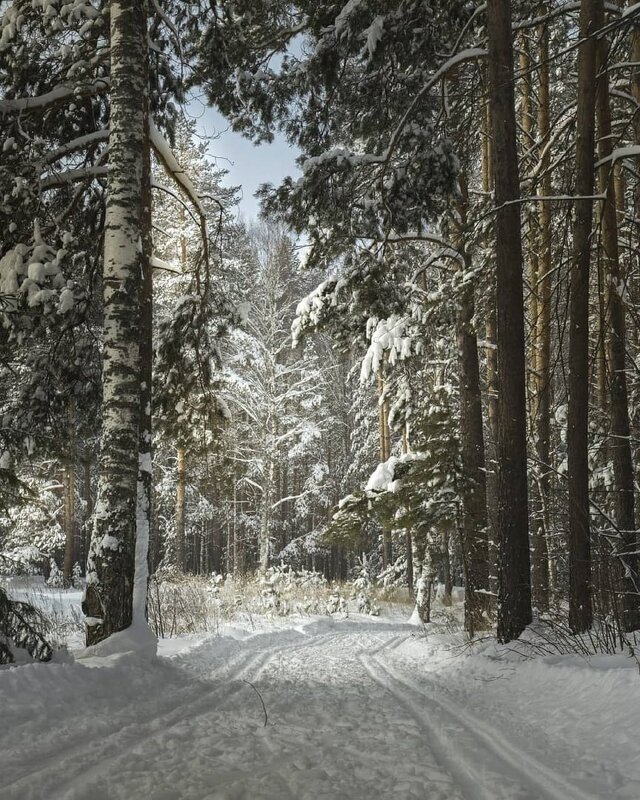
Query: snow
(374, 34)
(66, 302)
(358, 708)
(56, 95)
(382, 476)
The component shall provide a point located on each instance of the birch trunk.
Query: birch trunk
(265, 523)
(108, 598)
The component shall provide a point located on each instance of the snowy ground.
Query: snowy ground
(357, 708)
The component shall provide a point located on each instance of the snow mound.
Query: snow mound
(138, 639)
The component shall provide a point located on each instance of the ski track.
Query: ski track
(486, 752)
(74, 757)
(350, 716)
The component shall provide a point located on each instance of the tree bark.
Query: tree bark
(385, 453)
(69, 483)
(69, 479)
(514, 581)
(145, 436)
(619, 439)
(88, 500)
(473, 485)
(265, 524)
(491, 355)
(540, 567)
(181, 487)
(580, 610)
(108, 598)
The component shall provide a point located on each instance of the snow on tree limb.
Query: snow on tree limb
(76, 144)
(57, 95)
(72, 175)
(174, 169)
(158, 263)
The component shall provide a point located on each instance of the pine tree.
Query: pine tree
(514, 582)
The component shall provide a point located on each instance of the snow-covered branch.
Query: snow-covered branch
(57, 95)
(76, 144)
(72, 175)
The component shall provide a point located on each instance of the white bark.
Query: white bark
(110, 568)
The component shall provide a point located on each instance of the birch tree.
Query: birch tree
(111, 564)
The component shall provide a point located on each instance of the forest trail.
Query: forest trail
(355, 709)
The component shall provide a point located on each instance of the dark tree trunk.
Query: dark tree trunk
(540, 572)
(619, 441)
(580, 611)
(69, 481)
(181, 486)
(385, 453)
(514, 581)
(144, 525)
(491, 355)
(473, 487)
(88, 500)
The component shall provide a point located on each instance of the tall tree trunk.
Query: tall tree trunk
(514, 580)
(265, 523)
(145, 462)
(423, 563)
(408, 538)
(88, 501)
(108, 597)
(385, 454)
(491, 353)
(69, 482)
(181, 489)
(236, 561)
(619, 441)
(473, 486)
(580, 610)
(445, 560)
(540, 568)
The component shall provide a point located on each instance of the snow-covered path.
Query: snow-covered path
(356, 709)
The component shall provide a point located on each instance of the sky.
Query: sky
(248, 165)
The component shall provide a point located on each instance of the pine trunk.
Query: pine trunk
(580, 611)
(88, 500)
(491, 355)
(619, 440)
(473, 487)
(69, 481)
(514, 581)
(145, 470)
(385, 453)
(540, 568)
(110, 575)
(181, 489)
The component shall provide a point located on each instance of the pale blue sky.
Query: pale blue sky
(248, 165)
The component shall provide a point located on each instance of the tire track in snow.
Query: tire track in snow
(482, 745)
